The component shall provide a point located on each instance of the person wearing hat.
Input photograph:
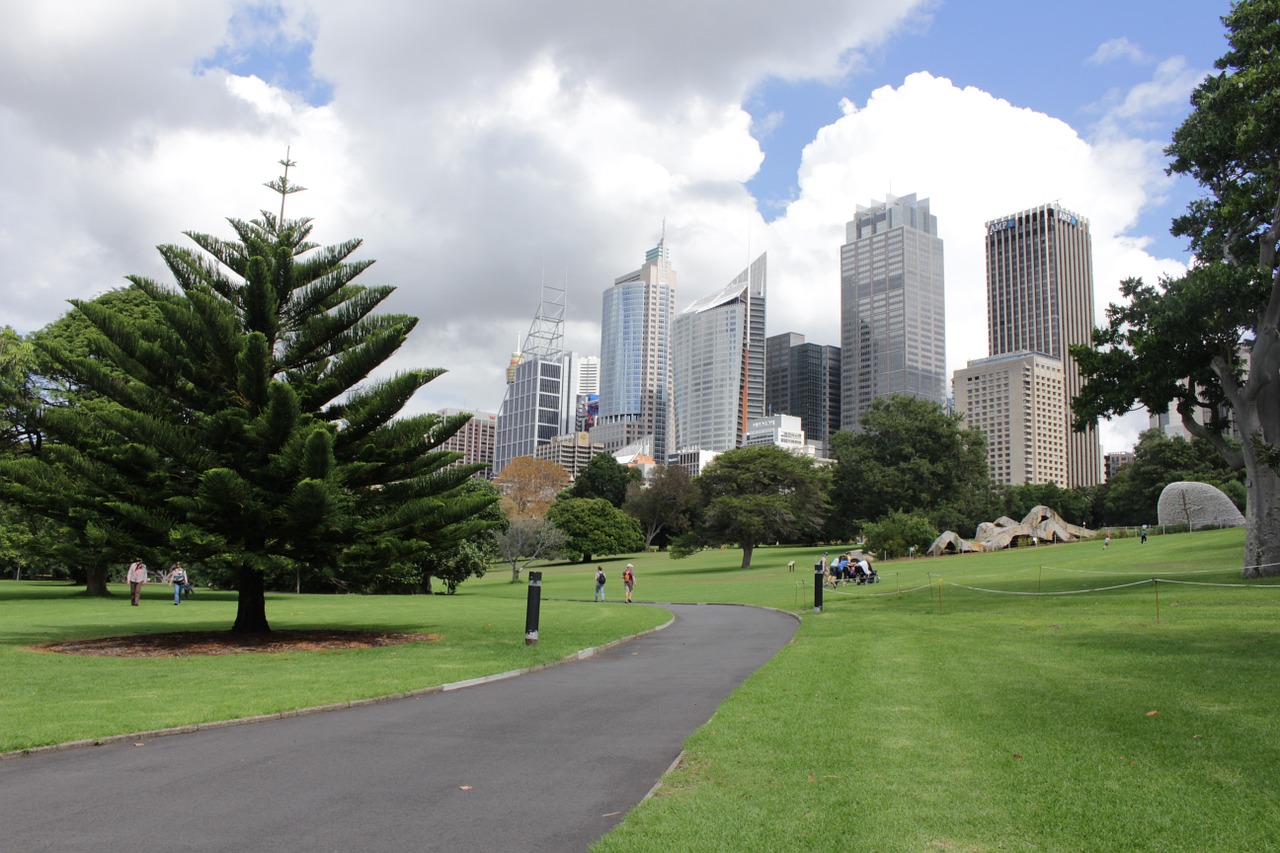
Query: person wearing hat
(628, 581)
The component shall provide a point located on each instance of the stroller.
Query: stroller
(863, 573)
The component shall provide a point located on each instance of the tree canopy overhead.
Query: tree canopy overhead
(1206, 343)
(240, 427)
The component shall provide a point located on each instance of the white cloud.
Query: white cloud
(976, 158)
(1118, 49)
(480, 147)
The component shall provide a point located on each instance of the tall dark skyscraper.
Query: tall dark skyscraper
(892, 320)
(1040, 300)
(803, 379)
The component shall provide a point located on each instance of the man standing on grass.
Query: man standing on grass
(628, 581)
(136, 577)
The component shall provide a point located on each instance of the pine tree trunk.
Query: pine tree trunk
(251, 604)
(95, 581)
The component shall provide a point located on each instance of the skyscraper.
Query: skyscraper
(1040, 300)
(718, 353)
(1017, 401)
(474, 441)
(546, 386)
(892, 324)
(635, 357)
(803, 379)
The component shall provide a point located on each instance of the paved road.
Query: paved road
(549, 761)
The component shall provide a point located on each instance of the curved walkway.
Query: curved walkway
(549, 761)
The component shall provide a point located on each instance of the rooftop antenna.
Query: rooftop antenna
(282, 185)
(546, 332)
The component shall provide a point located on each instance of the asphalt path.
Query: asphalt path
(547, 761)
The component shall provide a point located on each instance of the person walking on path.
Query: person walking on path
(628, 581)
(600, 579)
(178, 577)
(136, 576)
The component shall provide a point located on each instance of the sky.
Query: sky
(482, 148)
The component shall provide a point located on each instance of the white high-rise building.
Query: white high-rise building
(635, 357)
(718, 354)
(1017, 401)
(892, 313)
(1040, 300)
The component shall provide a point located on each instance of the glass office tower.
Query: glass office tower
(892, 313)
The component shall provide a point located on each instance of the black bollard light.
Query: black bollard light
(531, 610)
(817, 587)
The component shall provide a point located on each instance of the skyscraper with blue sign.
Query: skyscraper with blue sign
(1040, 300)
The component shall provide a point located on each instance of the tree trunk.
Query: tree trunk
(586, 558)
(1262, 519)
(95, 581)
(251, 603)
(746, 555)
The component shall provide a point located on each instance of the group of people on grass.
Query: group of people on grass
(177, 575)
(628, 582)
(845, 568)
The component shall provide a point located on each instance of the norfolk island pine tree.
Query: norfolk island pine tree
(244, 430)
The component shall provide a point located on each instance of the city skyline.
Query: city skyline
(542, 144)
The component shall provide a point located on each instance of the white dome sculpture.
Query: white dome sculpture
(1197, 505)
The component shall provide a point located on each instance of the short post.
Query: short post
(1156, 583)
(817, 587)
(532, 608)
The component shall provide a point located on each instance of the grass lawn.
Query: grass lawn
(53, 698)
(991, 721)
(973, 703)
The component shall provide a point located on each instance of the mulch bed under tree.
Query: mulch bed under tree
(191, 643)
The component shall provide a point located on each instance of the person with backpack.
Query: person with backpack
(628, 581)
(600, 579)
(178, 577)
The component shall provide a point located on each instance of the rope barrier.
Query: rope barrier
(877, 594)
(1122, 574)
(1063, 592)
(1117, 586)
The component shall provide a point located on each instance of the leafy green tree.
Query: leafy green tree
(594, 527)
(471, 556)
(243, 432)
(79, 530)
(754, 495)
(1208, 343)
(1133, 493)
(18, 397)
(604, 477)
(663, 505)
(912, 456)
(900, 534)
